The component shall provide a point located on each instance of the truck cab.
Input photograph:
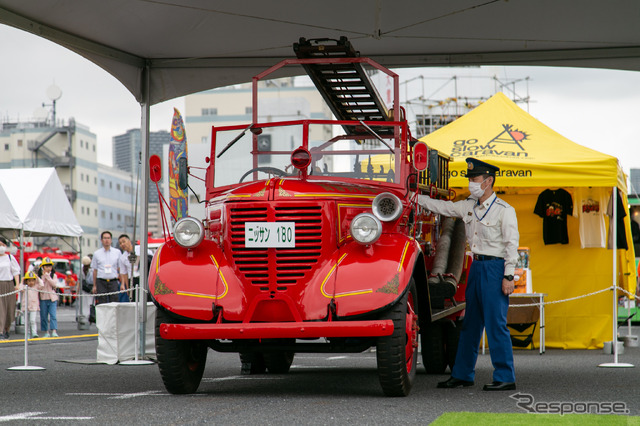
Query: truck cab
(312, 240)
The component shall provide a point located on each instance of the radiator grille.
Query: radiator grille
(291, 265)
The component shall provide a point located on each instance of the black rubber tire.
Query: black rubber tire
(252, 363)
(395, 371)
(433, 348)
(278, 362)
(181, 362)
(452, 337)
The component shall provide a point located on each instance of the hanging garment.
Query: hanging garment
(553, 206)
(590, 209)
(621, 234)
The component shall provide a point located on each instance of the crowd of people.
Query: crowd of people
(107, 275)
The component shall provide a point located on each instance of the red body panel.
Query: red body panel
(279, 330)
(286, 284)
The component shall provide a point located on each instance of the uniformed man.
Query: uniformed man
(492, 234)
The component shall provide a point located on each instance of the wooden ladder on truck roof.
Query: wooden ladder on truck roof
(345, 87)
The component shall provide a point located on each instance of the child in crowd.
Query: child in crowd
(33, 283)
(48, 300)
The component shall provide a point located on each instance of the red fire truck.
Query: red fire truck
(313, 240)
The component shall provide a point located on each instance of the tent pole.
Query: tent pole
(141, 300)
(614, 249)
(25, 317)
(144, 202)
(79, 313)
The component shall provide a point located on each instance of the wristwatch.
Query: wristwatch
(508, 277)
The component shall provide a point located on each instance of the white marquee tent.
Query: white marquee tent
(33, 200)
(8, 217)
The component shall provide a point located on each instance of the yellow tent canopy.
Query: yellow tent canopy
(528, 153)
(532, 157)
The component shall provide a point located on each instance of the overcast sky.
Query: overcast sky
(599, 109)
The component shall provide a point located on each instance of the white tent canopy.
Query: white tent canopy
(165, 49)
(35, 201)
(8, 217)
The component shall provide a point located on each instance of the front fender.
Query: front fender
(368, 279)
(191, 282)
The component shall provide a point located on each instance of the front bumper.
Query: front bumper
(276, 330)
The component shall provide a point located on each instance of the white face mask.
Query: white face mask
(3, 249)
(475, 188)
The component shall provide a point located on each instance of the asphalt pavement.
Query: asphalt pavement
(319, 389)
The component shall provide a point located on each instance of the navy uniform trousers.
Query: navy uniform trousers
(486, 308)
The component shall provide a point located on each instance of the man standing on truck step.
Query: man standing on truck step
(492, 234)
(105, 270)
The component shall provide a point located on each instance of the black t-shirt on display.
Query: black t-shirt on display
(553, 206)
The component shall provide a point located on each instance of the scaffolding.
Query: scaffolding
(427, 112)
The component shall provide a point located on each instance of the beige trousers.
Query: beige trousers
(7, 305)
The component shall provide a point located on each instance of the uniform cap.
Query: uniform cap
(46, 261)
(30, 276)
(476, 167)
(86, 261)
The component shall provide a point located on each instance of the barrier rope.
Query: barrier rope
(569, 299)
(524, 305)
(129, 290)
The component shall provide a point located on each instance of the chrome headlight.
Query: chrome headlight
(188, 232)
(366, 228)
(387, 207)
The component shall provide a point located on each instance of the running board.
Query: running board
(437, 314)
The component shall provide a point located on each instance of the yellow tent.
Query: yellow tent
(532, 157)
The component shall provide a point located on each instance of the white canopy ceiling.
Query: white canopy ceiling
(36, 200)
(193, 45)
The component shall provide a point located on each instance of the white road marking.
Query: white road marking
(223, 379)
(37, 415)
(119, 395)
(300, 367)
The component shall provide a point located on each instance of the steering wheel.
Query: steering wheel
(269, 170)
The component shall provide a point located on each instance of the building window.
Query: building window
(6, 147)
(102, 182)
(119, 217)
(96, 212)
(81, 177)
(117, 187)
(110, 215)
(19, 142)
(209, 111)
(82, 209)
(102, 214)
(110, 185)
(248, 110)
(95, 180)
(94, 148)
(81, 143)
